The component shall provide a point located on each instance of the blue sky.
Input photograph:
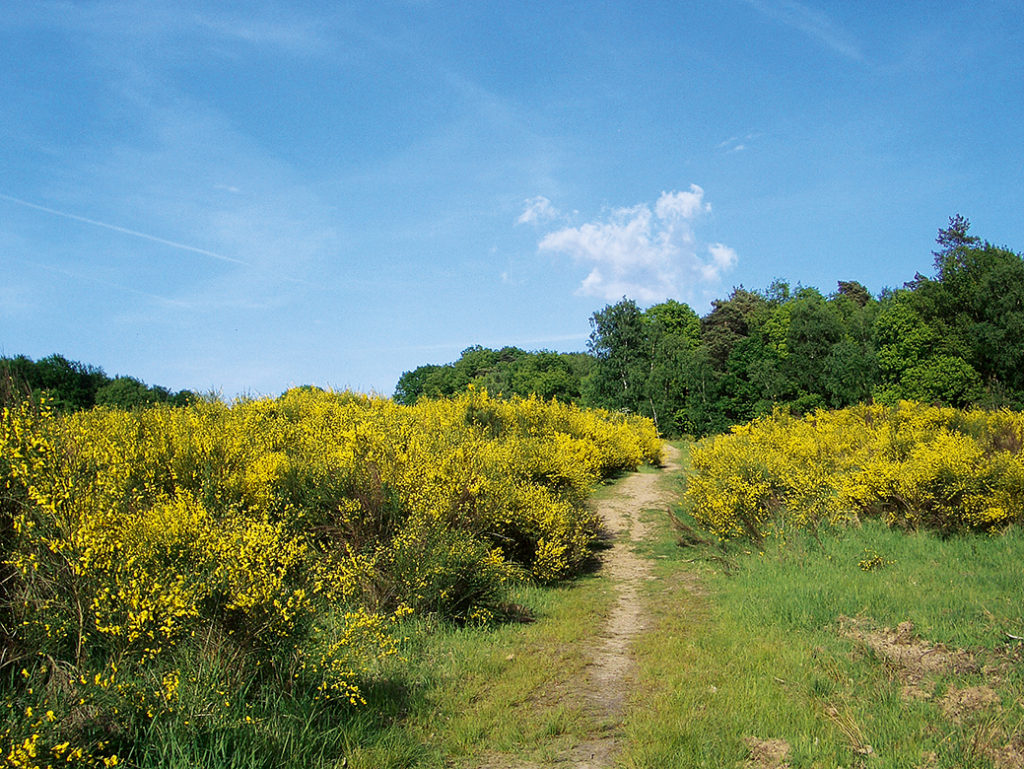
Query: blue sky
(243, 197)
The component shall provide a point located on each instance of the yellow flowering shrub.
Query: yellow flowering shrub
(339, 652)
(913, 464)
(293, 531)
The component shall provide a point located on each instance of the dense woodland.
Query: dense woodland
(73, 386)
(508, 371)
(955, 338)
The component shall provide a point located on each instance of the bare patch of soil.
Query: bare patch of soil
(913, 659)
(767, 754)
(1009, 756)
(959, 704)
(918, 663)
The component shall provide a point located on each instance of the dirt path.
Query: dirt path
(611, 674)
(604, 692)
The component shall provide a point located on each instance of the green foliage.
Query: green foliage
(505, 372)
(69, 385)
(956, 338)
(673, 339)
(126, 392)
(982, 301)
(73, 386)
(618, 343)
(732, 320)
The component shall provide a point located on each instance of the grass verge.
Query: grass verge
(474, 695)
(861, 647)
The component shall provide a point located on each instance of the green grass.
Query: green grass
(747, 643)
(503, 690)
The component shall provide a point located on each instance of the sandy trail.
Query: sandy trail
(604, 692)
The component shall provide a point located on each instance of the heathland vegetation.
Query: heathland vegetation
(911, 465)
(177, 578)
(330, 579)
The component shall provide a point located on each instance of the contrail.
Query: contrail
(125, 230)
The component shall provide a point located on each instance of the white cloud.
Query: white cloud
(682, 205)
(723, 256)
(737, 143)
(644, 253)
(537, 209)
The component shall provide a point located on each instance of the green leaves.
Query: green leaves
(508, 371)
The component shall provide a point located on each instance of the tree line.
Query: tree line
(508, 371)
(72, 386)
(955, 338)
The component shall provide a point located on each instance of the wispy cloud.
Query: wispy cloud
(644, 253)
(737, 143)
(292, 33)
(811, 21)
(723, 258)
(116, 21)
(538, 209)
